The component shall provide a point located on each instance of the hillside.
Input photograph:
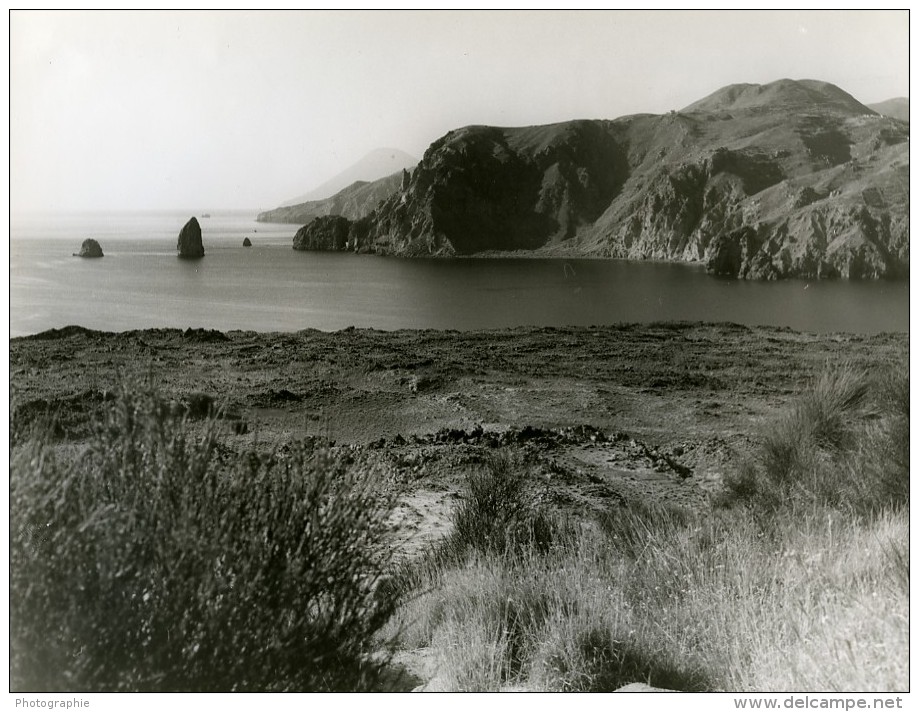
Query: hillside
(897, 108)
(792, 178)
(353, 202)
(787, 93)
(377, 164)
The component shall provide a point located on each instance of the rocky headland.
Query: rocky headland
(788, 179)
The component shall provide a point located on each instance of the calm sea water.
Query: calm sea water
(141, 283)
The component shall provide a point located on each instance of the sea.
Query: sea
(141, 283)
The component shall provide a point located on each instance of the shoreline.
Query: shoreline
(563, 254)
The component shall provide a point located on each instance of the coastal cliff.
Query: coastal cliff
(792, 178)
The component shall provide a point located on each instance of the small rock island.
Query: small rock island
(89, 248)
(190, 244)
(247, 242)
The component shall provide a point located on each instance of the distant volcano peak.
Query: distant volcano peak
(379, 163)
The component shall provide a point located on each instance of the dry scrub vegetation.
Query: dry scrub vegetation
(155, 559)
(797, 579)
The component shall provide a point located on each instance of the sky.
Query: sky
(214, 110)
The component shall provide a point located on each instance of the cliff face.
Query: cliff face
(772, 181)
(189, 243)
(483, 188)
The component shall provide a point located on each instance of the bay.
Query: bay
(141, 283)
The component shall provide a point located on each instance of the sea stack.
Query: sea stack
(190, 244)
(89, 248)
(247, 242)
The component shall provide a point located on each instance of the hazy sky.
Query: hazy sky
(207, 110)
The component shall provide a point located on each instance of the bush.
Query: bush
(496, 515)
(844, 444)
(154, 562)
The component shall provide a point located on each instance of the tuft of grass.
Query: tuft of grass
(835, 404)
(844, 444)
(496, 514)
(154, 561)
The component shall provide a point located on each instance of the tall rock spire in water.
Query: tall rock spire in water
(190, 244)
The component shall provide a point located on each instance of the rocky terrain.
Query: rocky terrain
(600, 415)
(792, 178)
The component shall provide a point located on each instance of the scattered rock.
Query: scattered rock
(205, 335)
(190, 244)
(284, 396)
(89, 248)
(419, 383)
(642, 687)
(198, 405)
(62, 333)
(548, 437)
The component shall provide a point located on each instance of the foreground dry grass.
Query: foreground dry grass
(702, 605)
(809, 593)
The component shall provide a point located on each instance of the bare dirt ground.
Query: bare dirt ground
(599, 416)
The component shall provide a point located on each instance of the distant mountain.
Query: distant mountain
(897, 108)
(379, 163)
(775, 95)
(791, 178)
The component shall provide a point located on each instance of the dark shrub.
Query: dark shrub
(497, 514)
(150, 563)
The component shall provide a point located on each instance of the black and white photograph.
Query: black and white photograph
(467, 351)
